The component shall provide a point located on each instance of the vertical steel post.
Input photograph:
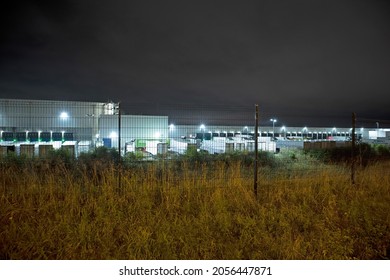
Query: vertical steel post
(255, 183)
(119, 129)
(353, 149)
(119, 148)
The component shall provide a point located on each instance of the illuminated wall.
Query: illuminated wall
(137, 128)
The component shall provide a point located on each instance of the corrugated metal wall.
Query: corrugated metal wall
(133, 127)
(79, 118)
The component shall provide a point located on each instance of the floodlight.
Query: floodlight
(64, 115)
(113, 134)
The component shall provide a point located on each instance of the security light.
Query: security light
(113, 134)
(64, 116)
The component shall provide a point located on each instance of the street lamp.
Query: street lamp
(273, 127)
(283, 129)
(334, 130)
(202, 129)
(377, 129)
(303, 131)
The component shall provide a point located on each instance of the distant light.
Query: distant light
(202, 126)
(57, 144)
(171, 126)
(113, 134)
(283, 128)
(157, 134)
(64, 115)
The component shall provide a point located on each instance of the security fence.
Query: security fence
(152, 133)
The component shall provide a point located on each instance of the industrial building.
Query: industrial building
(33, 126)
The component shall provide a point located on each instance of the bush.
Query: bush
(382, 151)
(133, 156)
(244, 158)
(11, 159)
(101, 154)
(364, 152)
(60, 156)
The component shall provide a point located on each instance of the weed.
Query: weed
(200, 209)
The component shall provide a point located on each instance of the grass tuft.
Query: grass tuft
(194, 210)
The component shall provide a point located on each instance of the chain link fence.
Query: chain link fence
(181, 135)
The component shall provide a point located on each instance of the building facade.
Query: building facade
(82, 124)
(90, 124)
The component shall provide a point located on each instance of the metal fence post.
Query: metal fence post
(255, 182)
(119, 148)
(353, 149)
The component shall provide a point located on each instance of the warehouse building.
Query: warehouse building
(38, 125)
(34, 126)
(148, 133)
(44, 120)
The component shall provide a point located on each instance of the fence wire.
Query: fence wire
(215, 142)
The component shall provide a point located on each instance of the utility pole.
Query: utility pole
(255, 182)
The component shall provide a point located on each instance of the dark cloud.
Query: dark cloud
(299, 60)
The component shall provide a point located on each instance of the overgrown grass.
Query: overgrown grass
(194, 210)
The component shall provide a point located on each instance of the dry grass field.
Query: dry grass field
(192, 211)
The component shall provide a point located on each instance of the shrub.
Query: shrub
(382, 151)
(133, 156)
(101, 154)
(60, 156)
(364, 152)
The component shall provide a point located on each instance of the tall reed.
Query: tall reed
(193, 211)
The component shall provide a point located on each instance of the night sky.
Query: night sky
(304, 62)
